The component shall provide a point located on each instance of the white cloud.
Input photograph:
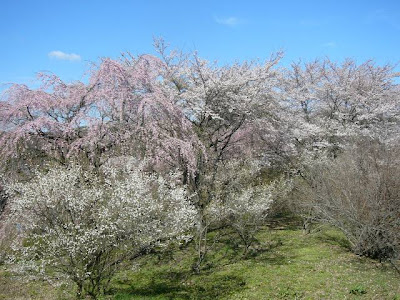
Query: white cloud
(64, 56)
(329, 45)
(230, 21)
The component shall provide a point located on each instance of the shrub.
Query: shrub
(359, 193)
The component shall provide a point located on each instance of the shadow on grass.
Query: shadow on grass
(285, 222)
(182, 285)
(335, 238)
(178, 282)
(271, 253)
(231, 250)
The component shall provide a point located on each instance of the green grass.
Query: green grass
(286, 265)
(14, 287)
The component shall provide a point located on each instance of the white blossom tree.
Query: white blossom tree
(233, 111)
(82, 226)
(331, 103)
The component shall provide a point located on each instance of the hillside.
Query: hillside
(286, 265)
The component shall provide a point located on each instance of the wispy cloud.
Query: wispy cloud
(229, 21)
(329, 45)
(64, 56)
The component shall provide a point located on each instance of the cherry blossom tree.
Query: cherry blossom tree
(233, 109)
(331, 103)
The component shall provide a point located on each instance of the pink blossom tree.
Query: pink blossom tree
(122, 110)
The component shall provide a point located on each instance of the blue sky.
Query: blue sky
(64, 36)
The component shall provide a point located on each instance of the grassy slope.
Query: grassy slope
(288, 265)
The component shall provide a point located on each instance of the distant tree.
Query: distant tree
(331, 103)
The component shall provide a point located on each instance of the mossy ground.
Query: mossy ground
(286, 264)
